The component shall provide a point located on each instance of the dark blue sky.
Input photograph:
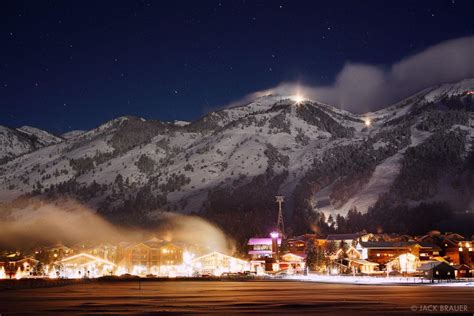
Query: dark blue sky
(74, 64)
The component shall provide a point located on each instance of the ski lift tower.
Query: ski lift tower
(280, 224)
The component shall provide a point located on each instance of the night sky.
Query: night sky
(68, 65)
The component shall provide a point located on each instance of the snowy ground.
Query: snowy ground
(374, 280)
(232, 298)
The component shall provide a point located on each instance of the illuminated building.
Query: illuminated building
(292, 262)
(151, 257)
(105, 251)
(18, 269)
(84, 265)
(362, 266)
(296, 246)
(216, 263)
(437, 270)
(48, 255)
(404, 263)
(463, 271)
(384, 252)
(447, 243)
(466, 253)
(348, 239)
(259, 248)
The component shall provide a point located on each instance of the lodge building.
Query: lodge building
(150, 257)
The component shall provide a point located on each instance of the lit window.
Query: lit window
(470, 249)
(378, 255)
(437, 272)
(449, 273)
(460, 248)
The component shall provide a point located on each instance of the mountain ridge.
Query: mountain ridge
(234, 160)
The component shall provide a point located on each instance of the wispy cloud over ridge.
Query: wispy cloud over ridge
(362, 87)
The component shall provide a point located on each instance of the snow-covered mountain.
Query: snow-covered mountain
(233, 161)
(16, 142)
(40, 136)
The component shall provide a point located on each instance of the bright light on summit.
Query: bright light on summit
(298, 98)
(367, 122)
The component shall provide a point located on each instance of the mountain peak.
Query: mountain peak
(41, 136)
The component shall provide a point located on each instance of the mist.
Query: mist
(35, 223)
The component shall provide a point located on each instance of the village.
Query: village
(432, 257)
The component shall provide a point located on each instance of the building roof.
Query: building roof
(218, 254)
(425, 244)
(86, 256)
(386, 244)
(260, 252)
(345, 236)
(428, 265)
(390, 244)
(363, 262)
(24, 259)
(462, 266)
(294, 255)
(447, 240)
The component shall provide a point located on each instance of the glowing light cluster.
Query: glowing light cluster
(298, 98)
(367, 122)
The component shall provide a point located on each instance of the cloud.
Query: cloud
(362, 87)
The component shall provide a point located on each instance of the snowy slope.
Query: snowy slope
(41, 137)
(72, 134)
(16, 142)
(13, 143)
